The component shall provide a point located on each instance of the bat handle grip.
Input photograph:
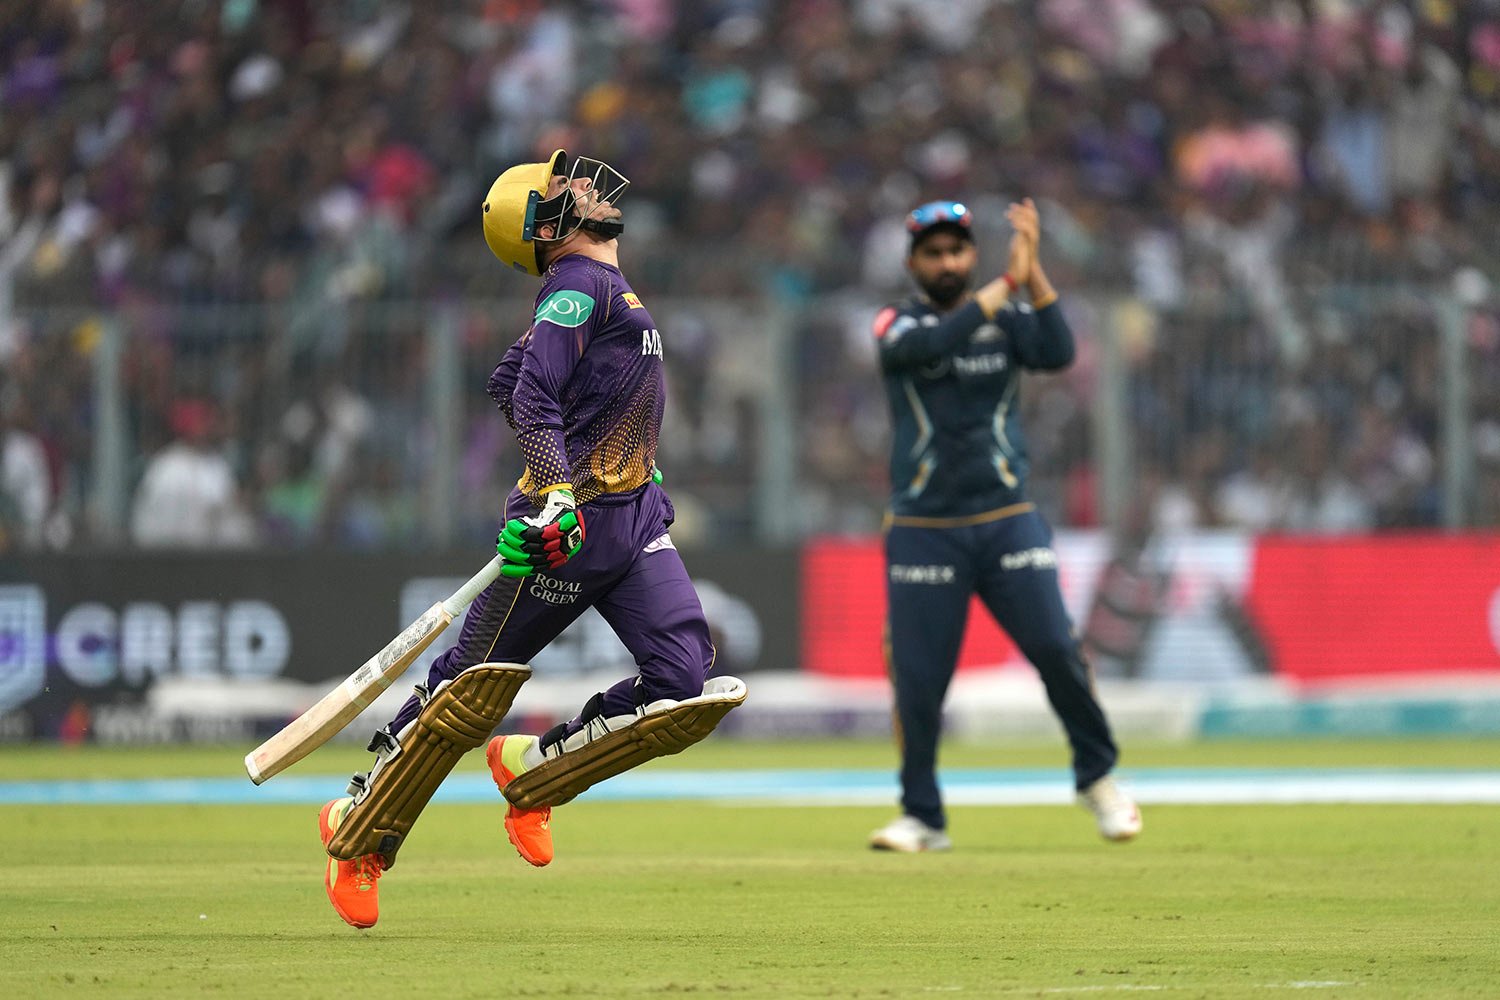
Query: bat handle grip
(463, 596)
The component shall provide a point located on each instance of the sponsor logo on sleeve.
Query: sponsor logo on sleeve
(896, 330)
(632, 300)
(565, 308)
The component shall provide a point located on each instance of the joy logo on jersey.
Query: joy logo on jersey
(650, 343)
(565, 308)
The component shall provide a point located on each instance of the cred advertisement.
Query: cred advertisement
(1209, 607)
(84, 639)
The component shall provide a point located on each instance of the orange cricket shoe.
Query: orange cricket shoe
(529, 830)
(351, 885)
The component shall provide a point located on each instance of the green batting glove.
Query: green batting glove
(545, 540)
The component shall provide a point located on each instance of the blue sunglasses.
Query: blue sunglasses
(935, 212)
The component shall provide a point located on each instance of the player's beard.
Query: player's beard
(946, 289)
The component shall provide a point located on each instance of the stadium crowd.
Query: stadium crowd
(1271, 206)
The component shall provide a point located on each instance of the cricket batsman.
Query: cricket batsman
(586, 526)
(959, 521)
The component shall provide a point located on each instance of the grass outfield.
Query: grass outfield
(650, 899)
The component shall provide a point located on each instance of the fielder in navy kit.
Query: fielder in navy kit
(586, 525)
(959, 522)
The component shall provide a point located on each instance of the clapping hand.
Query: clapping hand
(1026, 222)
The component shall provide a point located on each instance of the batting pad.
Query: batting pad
(664, 727)
(459, 716)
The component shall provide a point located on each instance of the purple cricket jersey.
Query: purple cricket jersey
(591, 363)
(584, 389)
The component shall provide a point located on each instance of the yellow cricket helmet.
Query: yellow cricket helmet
(517, 204)
(510, 211)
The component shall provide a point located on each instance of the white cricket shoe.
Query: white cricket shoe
(1118, 817)
(909, 835)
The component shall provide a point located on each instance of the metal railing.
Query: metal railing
(367, 425)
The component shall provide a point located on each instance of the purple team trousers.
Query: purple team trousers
(628, 570)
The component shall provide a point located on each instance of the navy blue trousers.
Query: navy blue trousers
(931, 573)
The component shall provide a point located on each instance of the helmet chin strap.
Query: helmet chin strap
(608, 228)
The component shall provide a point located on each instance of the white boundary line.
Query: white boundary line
(824, 788)
(1269, 789)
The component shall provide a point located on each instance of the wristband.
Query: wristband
(1010, 284)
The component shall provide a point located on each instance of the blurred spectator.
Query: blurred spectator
(256, 187)
(25, 482)
(1424, 113)
(189, 497)
(1392, 467)
(310, 485)
(1320, 494)
(1251, 498)
(1356, 140)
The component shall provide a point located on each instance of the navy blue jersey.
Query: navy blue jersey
(952, 379)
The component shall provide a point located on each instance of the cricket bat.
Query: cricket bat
(339, 707)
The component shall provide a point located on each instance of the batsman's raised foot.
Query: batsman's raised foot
(529, 830)
(352, 886)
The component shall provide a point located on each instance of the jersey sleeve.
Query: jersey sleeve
(568, 312)
(502, 383)
(1041, 338)
(903, 342)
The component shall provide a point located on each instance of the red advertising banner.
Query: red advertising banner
(1316, 611)
(843, 614)
(1355, 607)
